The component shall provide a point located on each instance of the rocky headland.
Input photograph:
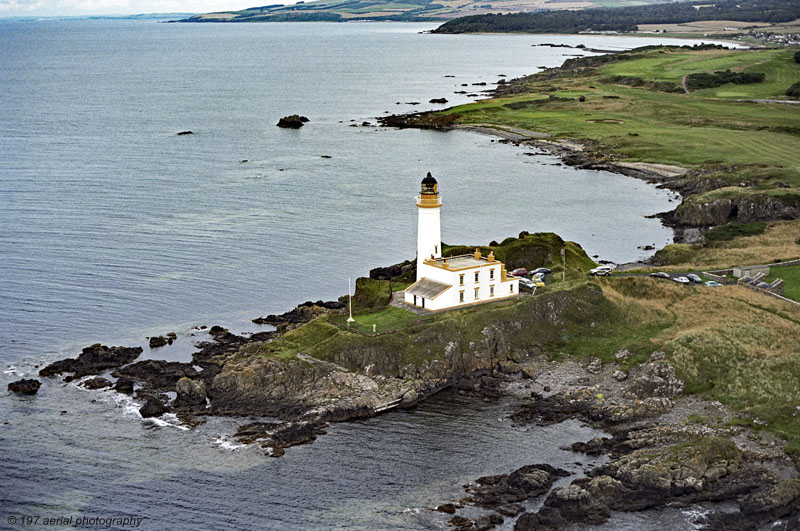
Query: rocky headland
(655, 456)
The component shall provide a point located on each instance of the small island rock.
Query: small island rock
(25, 387)
(294, 121)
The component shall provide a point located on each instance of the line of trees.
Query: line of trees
(626, 18)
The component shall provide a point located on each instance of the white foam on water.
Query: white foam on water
(168, 420)
(13, 370)
(224, 442)
(696, 516)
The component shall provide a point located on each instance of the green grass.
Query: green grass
(303, 339)
(791, 280)
(686, 130)
(386, 319)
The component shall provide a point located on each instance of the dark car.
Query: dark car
(519, 272)
(660, 274)
(694, 278)
(542, 270)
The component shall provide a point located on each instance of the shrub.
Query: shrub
(794, 91)
(733, 230)
(797, 57)
(704, 80)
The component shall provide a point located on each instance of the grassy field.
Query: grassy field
(645, 124)
(791, 280)
(385, 320)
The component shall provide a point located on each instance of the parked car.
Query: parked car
(519, 272)
(682, 280)
(694, 278)
(540, 276)
(713, 284)
(601, 271)
(526, 283)
(660, 274)
(542, 270)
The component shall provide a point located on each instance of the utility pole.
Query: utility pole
(564, 264)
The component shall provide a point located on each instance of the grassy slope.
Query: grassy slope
(662, 127)
(729, 344)
(780, 242)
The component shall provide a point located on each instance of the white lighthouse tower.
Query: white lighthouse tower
(429, 228)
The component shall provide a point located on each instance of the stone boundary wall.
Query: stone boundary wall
(765, 292)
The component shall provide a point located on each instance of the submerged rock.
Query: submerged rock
(27, 386)
(96, 383)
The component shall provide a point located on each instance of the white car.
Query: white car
(601, 271)
(526, 283)
(682, 280)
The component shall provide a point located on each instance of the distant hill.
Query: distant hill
(623, 19)
(406, 10)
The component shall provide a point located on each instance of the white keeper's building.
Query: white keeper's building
(444, 283)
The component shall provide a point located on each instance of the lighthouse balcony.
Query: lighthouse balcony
(429, 201)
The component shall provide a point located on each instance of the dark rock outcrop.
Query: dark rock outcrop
(279, 435)
(294, 121)
(153, 407)
(301, 314)
(96, 383)
(160, 341)
(92, 360)
(26, 386)
(522, 484)
(746, 209)
(406, 269)
(438, 100)
(157, 374)
(124, 385)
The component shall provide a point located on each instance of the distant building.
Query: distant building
(454, 281)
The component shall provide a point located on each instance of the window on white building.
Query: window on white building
(511, 288)
(477, 293)
(491, 291)
(460, 280)
(460, 296)
(491, 274)
(477, 277)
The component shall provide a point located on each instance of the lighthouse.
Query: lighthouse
(453, 281)
(429, 228)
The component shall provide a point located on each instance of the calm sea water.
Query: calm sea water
(113, 228)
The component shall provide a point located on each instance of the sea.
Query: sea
(114, 228)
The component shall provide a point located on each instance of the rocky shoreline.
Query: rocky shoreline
(657, 456)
